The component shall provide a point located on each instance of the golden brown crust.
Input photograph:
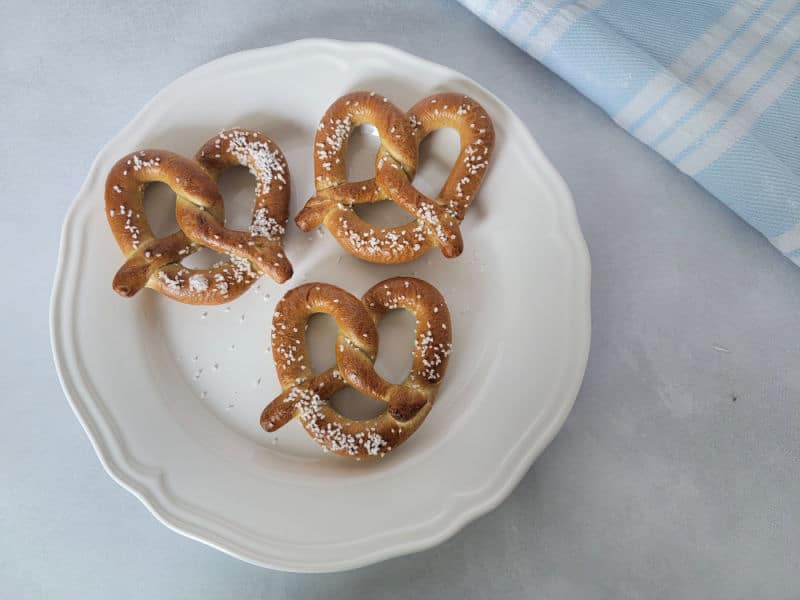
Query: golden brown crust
(155, 262)
(476, 134)
(305, 395)
(437, 220)
(347, 113)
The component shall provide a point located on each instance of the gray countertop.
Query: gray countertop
(677, 475)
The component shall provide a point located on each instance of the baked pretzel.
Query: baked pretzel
(305, 394)
(156, 262)
(437, 221)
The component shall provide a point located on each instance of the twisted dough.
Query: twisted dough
(305, 394)
(437, 220)
(156, 262)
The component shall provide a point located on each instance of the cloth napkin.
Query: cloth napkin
(712, 85)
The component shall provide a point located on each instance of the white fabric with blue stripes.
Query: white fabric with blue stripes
(712, 85)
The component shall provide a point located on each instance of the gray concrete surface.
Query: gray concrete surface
(677, 475)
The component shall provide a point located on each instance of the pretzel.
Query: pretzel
(306, 395)
(437, 221)
(156, 262)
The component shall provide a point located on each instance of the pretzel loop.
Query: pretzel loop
(199, 209)
(306, 395)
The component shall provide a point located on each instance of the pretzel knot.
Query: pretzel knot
(306, 395)
(156, 262)
(437, 220)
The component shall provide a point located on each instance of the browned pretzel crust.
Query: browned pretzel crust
(156, 262)
(305, 394)
(437, 221)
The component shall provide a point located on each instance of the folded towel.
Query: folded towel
(712, 85)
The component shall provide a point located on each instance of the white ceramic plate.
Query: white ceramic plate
(170, 395)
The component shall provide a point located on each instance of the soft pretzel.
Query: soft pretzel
(156, 262)
(438, 220)
(305, 394)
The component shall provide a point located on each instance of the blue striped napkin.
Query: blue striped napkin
(712, 85)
